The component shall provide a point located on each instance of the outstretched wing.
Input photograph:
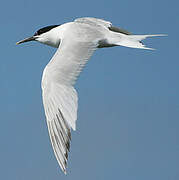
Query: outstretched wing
(94, 21)
(101, 22)
(59, 97)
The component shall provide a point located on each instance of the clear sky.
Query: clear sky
(128, 118)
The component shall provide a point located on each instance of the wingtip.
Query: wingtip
(64, 169)
(65, 172)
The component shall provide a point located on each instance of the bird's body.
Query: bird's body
(76, 41)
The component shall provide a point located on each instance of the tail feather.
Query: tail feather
(134, 41)
(133, 44)
(142, 37)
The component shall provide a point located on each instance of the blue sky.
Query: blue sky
(128, 118)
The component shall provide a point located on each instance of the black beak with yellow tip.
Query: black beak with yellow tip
(26, 40)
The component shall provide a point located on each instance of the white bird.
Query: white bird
(76, 41)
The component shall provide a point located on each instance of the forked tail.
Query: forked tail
(134, 41)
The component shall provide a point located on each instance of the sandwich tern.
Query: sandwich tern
(76, 41)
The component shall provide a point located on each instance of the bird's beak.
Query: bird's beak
(26, 40)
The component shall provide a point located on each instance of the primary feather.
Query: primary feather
(59, 96)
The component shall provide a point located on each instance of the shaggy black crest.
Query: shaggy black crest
(45, 29)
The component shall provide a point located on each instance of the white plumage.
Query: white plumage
(76, 41)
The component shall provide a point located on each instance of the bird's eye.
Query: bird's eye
(36, 33)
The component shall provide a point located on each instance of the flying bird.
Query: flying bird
(76, 41)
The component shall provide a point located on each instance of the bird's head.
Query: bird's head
(45, 35)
